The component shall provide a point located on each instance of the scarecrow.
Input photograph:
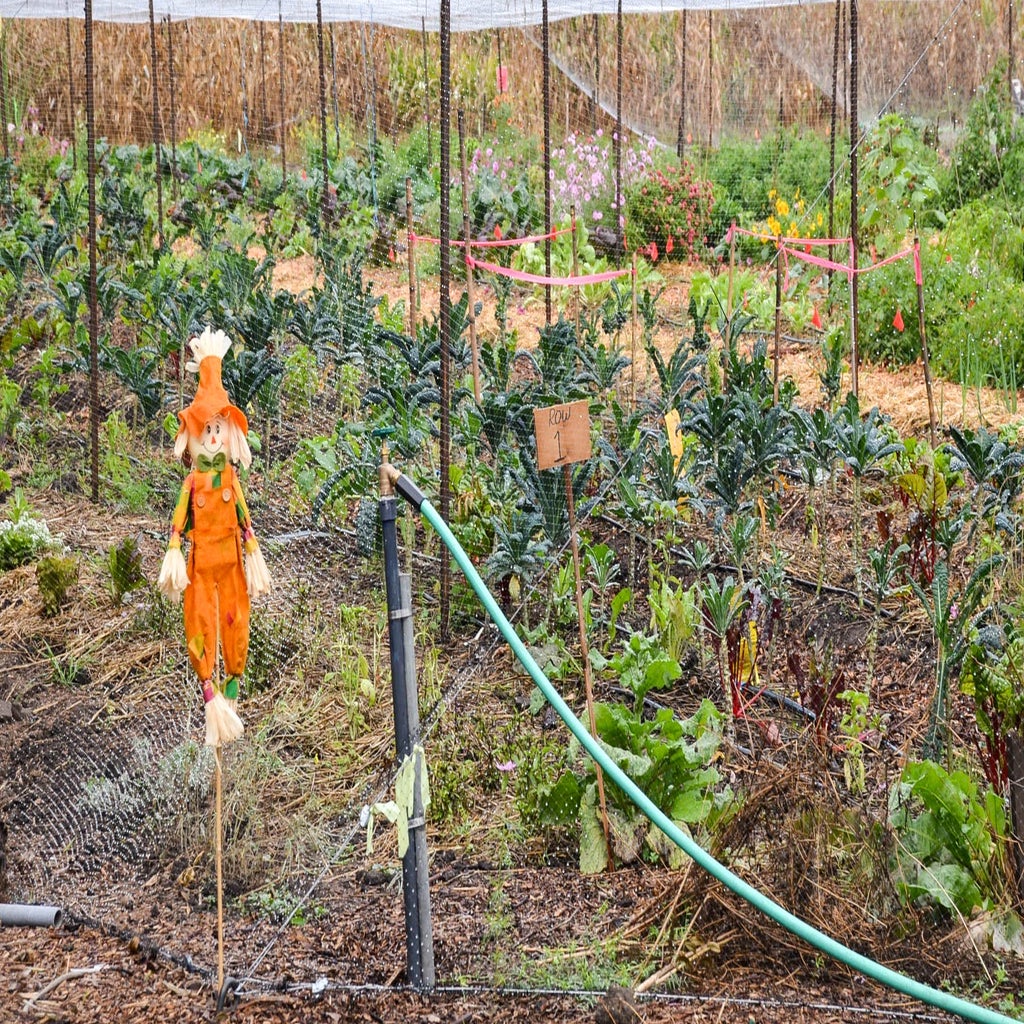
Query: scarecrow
(211, 513)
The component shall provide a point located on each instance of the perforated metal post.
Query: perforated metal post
(419, 940)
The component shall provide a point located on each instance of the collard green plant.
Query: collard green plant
(950, 839)
(669, 759)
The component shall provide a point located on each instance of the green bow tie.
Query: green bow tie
(214, 465)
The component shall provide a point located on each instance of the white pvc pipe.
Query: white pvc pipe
(17, 915)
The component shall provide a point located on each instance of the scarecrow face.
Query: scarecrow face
(212, 440)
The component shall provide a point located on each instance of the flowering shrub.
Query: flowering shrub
(22, 540)
(667, 214)
(583, 175)
(788, 218)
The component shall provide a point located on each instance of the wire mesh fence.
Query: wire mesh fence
(331, 303)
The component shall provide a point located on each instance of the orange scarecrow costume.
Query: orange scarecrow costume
(211, 513)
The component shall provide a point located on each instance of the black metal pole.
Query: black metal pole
(283, 127)
(94, 316)
(426, 87)
(71, 95)
(446, 308)
(419, 946)
(617, 148)
(546, 77)
(156, 128)
(324, 195)
(681, 136)
(854, 200)
(174, 107)
(832, 144)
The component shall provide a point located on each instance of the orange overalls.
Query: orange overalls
(212, 512)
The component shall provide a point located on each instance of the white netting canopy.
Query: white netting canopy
(466, 15)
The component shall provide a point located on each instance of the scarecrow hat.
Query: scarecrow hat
(208, 351)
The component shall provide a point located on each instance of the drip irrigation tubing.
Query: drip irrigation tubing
(795, 925)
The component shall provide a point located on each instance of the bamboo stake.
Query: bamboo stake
(778, 317)
(585, 651)
(595, 100)
(411, 249)
(729, 288)
(575, 269)
(632, 340)
(924, 342)
(474, 353)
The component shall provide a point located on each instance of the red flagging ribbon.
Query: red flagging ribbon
(519, 275)
(490, 243)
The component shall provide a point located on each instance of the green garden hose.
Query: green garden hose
(857, 961)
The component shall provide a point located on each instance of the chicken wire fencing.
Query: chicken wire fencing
(333, 360)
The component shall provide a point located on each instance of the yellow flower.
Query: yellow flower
(782, 208)
(774, 227)
(820, 220)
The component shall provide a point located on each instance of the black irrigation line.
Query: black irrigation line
(322, 984)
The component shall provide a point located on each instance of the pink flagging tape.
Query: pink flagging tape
(491, 243)
(519, 275)
(845, 268)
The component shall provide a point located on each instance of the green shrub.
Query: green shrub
(989, 151)
(55, 575)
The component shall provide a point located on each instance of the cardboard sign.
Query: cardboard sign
(563, 434)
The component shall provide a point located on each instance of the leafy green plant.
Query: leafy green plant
(669, 759)
(55, 576)
(950, 839)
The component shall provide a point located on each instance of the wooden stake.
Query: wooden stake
(632, 342)
(585, 652)
(219, 841)
(411, 247)
(474, 353)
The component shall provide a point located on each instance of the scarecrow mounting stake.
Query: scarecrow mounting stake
(217, 582)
